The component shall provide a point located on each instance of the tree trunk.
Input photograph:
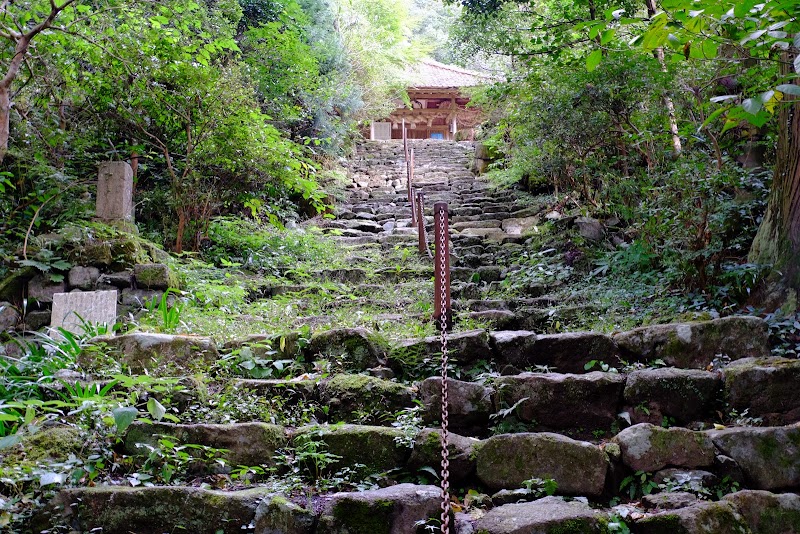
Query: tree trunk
(777, 242)
(673, 122)
(5, 120)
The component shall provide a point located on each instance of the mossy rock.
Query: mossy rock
(355, 349)
(394, 510)
(648, 448)
(159, 354)
(153, 510)
(550, 515)
(768, 513)
(374, 447)
(507, 460)
(361, 394)
(51, 444)
(701, 518)
(242, 443)
(279, 515)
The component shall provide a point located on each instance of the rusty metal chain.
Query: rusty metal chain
(445, 416)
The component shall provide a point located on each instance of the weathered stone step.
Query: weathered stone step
(155, 510)
(403, 509)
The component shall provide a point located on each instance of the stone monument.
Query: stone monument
(71, 310)
(115, 193)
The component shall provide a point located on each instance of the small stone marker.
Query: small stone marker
(115, 191)
(71, 310)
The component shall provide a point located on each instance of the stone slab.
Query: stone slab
(72, 310)
(115, 191)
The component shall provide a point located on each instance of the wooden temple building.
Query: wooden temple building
(438, 105)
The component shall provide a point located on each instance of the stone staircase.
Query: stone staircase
(683, 428)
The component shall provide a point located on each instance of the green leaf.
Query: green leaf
(752, 105)
(124, 416)
(10, 441)
(156, 409)
(789, 89)
(607, 36)
(594, 60)
(743, 7)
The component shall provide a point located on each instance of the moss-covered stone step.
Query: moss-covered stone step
(685, 345)
(153, 510)
(249, 444)
(345, 397)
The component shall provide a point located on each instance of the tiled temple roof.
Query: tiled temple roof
(430, 73)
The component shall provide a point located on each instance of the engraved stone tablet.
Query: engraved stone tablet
(71, 310)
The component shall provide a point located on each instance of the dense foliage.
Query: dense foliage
(616, 107)
(221, 106)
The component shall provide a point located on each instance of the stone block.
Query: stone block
(647, 447)
(154, 276)
(695, 345)
(553, 401)
(768, 456)
(41, 289)
(84, 278)
(72, 310)
(507, 460)
(765, 388)
(115, 191)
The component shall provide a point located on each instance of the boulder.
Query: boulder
(244, 443)
(563, 401)
(519, 225)
(590, 228)
(766, 512)
(153, 510)
(154, 276)
(647, 447)
(759, 452)
(469, 404)
(84, 278)
(354, 348)
(346, 394)
(393, 510)
(685, 395)
(427, 452)
(508, 460)
(700, 518)
(765, 387)
(547, 515)
(694, 345)
(377, 448)
(148, 353)
(277, 515)
(9, 316)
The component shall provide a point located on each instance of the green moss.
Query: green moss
(573, 526)
(778, 521)
(768, 447)
(54, 444)
(364, 518)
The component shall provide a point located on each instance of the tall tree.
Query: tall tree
(20, 23)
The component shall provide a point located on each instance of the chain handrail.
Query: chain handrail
(440, 220)
(441, 305)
